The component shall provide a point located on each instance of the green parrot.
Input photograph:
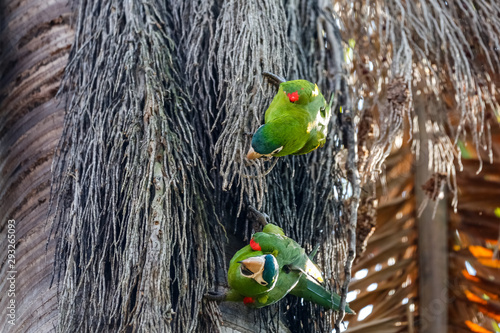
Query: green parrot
(296, 122)
(271, 267)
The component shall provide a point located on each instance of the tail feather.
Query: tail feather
(314, 252)
(312, 291)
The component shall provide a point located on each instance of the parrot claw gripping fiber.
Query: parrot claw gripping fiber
(271, 267)
(296, 122)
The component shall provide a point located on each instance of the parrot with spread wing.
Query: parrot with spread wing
(296, 121)
(271, 267)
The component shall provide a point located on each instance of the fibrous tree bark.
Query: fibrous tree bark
(151, 181)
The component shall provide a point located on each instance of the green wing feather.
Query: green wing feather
(310, 290)
(273, 229)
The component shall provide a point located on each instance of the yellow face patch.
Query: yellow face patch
(310, 126)
(315, 92)
(263, 299)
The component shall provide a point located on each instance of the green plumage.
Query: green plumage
(295, 274)
(296, 122)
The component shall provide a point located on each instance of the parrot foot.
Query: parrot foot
(257, 216)
(276, 79)
(215, 295)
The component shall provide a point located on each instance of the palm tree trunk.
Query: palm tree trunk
(35, 40)
(432, 235)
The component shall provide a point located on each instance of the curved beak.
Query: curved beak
(254, 264)
(252, 154)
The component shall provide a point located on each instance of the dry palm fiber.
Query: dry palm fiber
(156, 98)
(445, 53)
(302, 194)
(130, 187)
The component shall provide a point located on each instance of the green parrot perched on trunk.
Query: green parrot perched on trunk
(296, 122)
(271, 267)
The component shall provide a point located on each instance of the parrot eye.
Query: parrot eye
(322, 111)
(277, 150)
(245, 271)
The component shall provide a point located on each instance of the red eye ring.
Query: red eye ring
(293, 97)
(254, 245)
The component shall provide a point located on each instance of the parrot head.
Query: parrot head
(289, 120)
(299, 92)
(262, 143)
(262, 269)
